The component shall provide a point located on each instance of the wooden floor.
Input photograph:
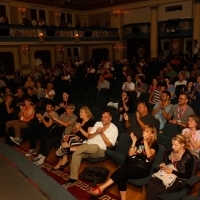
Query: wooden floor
(132, 192)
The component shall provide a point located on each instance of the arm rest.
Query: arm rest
(193, 180)
(112, 147)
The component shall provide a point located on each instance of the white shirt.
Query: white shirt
(111, 133)
(128, 86)
(196, 49)
(50, 93)
(184, 82)
(77, 63)
(38, 62)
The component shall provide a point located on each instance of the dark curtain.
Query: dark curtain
(8, 62)
(2, 11)
(45, 57)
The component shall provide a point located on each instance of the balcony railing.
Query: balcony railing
(17, 33)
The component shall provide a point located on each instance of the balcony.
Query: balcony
(20, 33)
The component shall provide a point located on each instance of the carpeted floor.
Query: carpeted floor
(38, 177)
(79, 190)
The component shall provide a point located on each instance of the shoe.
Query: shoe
(69, 182)
(31, 152)
(63, 166)
(62, 151)
(92, 191)
(35, 160)
(40, 162)
(17, 141)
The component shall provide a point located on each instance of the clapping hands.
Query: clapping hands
(133, 137)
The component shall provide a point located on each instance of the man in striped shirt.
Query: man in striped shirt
(155, 96)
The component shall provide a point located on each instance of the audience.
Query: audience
(162, 108)
(102, 83)
(179, 162)
(64, 126)
(26, 114)
(80, 132)
(136, 123)
(180, 112)
(126, 104)
(37, 129)
(192, 133)
(103, 134)
(62, 79)
(128, 85)
(143, 150)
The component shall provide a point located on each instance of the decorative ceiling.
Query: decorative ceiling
(82, 5)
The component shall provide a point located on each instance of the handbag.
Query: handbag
(167, 179)
(136, 161)
(94, 174)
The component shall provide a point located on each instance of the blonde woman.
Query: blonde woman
(192, 133)
(182, 161)
(80, 134)
(141, 149)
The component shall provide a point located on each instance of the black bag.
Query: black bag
(137, 161)
(95, 174)
(10, 132)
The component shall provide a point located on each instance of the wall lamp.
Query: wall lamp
(117, 13)
(22, 11)
(25, 49)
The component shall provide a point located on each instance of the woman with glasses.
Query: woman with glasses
(192, 133)
(178, 166)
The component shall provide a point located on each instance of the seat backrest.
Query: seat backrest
(100, 100)
(195, 166)
(96, 112)
(115, 116)
(76, 96)
(124, 144)
(87, 98)
(159, 157)
(170, 130)
(104, 92)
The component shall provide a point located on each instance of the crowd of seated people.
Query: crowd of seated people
(43, 107)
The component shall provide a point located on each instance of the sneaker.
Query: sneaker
(35, 160)
(40, 162)
(31, 152)
(17, 141)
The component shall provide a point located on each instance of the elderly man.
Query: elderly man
(103, 134)
(180, 112)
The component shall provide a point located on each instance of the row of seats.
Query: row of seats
(118, 156)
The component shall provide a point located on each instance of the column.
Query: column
(117, 21)
(154, 32)
(196, 20)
